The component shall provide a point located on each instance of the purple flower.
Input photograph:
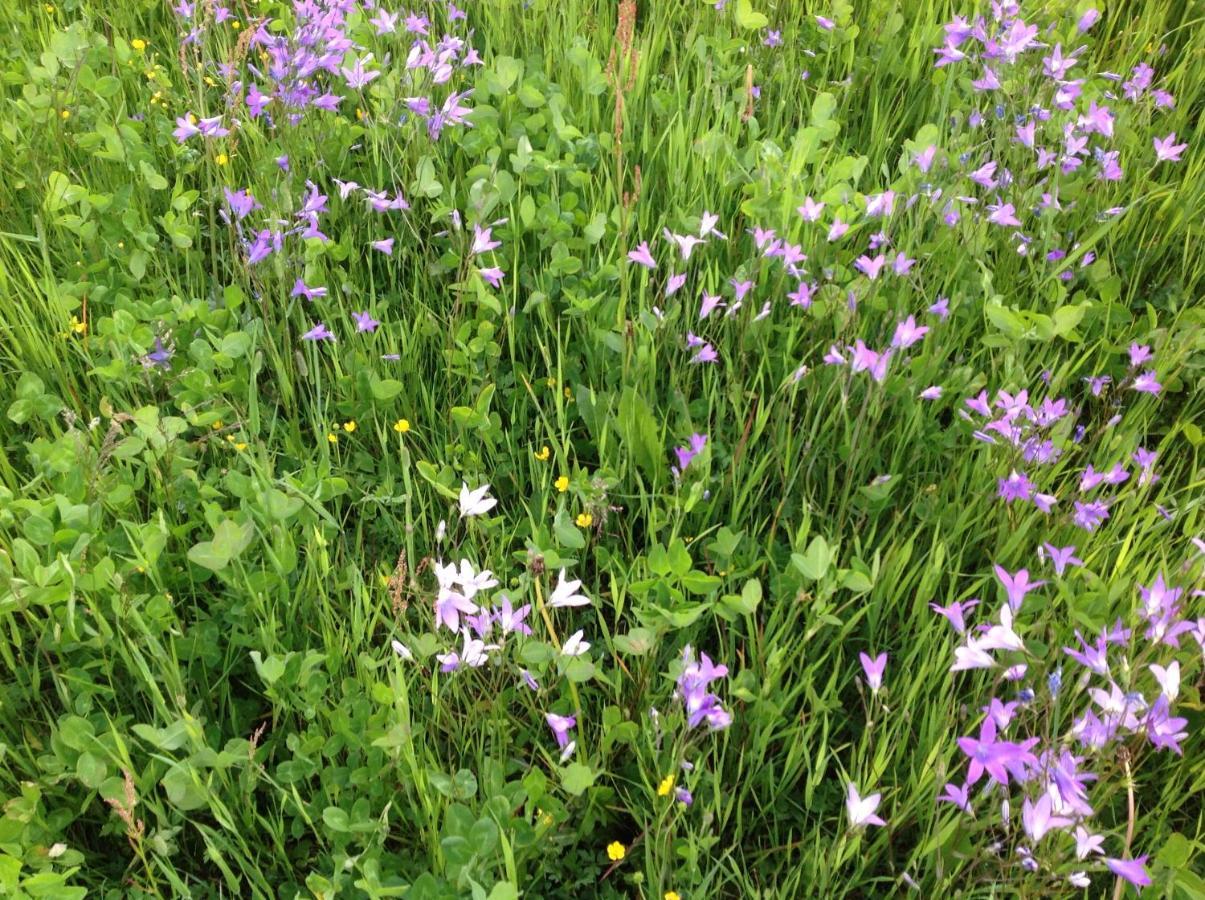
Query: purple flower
(689, 452)
(1016, 586)
(365, 322)
(384, 246)
(643, 256)
(941, 308)
(561, 726)
(1132, 870)
(482, 240)
(674, 284)
(493, 276)
(1167, 150)
(1038, 818)
(510, 619)
(185, 128)
(955, 612)
(1061, 557)
(874, 670)
(1164, 730)
(1016, 486)
(1089, 516)
(318, 333)
(908, 333)
(931, 393)
(956, 794)
(300, 289)
(1146, 383)
(692, 689)
(160, 357)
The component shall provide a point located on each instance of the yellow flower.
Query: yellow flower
(568, 394)
(562, 484)
(349, 427)
(401, 426)
(209, 81)
(221, 159)
(359, 113)
(542, 453)
(550, 381)
(236, 24)
(138, 44)
(230, 438)
(66, 114)
(49, 7)
(666, 785)
(241, 445)
(192, 120)
(77, 326)
(584, 520)
(333, 438)
(217, 426)
(616, 851)
(672, 895)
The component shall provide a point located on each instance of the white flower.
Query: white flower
(440, 530)
(568, 751)
(475, 502)
(401, 650)
(566, 593)
(1168, 678)
(575, 646)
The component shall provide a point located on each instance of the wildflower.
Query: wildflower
(687, 454)
(616, 851)
(561, 484)
(492, 276)
(666, 785)
(475, 502)
(221, 159)
(1016, 586)
(956, 794)
(683, 796)
(1061, 557)
(954, 613)
(1146, 383)
(701, 705)
(1016, 486)
(931, 393)
(643, 256)
(574, 645)
(560, 726)
(874, 670)
(401, 650)
(810, 211)
(318, 333)
(1038, 819)
(349, 427)
(1132, 870)
(332, 437)
(584, 520)
(542, 454)
(365, 322)
(1167, 150)
(401, 426)
(671, 895)
(862, 811)
(384, 246)
(1168, 678)
(567, 593)
(1086, 842)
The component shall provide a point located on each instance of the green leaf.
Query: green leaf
(336, 819)
(747, 18)
(815, 563)
(576, 778)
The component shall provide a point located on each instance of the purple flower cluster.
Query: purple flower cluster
(701, 705)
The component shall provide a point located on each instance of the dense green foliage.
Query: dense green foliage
(206, 554)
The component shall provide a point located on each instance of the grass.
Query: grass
(205, 563)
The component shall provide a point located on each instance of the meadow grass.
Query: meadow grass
(221, 541)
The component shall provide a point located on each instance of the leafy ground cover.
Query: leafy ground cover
(549, 449)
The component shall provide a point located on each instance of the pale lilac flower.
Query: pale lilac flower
(674, 284)
(1167, 150)
(642, 256)
(492, 275)
(385, 246)
(318, 333)
(874, 670)
(810, 210)
(1061, 557)
(862, 811)
(1168, 677)
(931, 393)
(1087, 843)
